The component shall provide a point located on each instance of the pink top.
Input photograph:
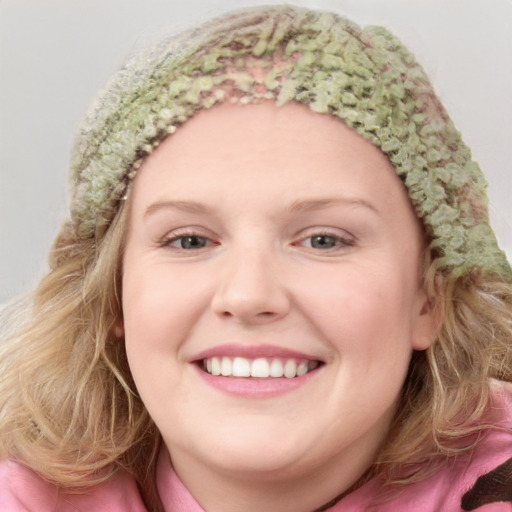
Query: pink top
(486, 478)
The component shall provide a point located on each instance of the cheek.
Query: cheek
(160, 306)
(362, 312)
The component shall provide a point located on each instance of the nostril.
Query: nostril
(257, 306)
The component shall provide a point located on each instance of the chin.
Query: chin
(259, 464)
(262, 455)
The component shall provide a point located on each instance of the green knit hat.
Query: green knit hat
(366, 78)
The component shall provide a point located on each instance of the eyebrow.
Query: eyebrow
(308, 205)
(184, 206)
(298, 206)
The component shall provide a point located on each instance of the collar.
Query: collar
(174, 495)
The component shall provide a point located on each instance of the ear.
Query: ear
(119, 327)
(427, 321)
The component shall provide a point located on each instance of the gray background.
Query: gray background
(55, 55)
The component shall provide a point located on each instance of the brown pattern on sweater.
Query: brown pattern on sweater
(492, 487)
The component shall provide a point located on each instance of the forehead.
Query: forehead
(261, 145)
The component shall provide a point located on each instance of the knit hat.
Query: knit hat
(365, 77)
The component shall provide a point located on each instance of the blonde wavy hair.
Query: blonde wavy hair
(69, 409)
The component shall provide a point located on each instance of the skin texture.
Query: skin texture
(264, 181)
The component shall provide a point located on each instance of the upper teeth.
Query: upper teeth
(260, 367)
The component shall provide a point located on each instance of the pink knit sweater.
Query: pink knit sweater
(484, 480)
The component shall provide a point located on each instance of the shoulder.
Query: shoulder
(22, 490)
(490, 468)
(480, 482)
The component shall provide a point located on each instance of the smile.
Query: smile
(256, 371)
(261, 367)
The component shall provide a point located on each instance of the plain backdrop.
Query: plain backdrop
(56, 54)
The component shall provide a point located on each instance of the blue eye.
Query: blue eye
(188, 242)
(323, 241)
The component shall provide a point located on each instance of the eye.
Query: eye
(325, 241)
(188, 242)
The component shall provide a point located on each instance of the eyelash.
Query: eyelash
(167, 242)
(340, 241)
(337, 240)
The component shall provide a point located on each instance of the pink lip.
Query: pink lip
(251, 352)
(249, 387)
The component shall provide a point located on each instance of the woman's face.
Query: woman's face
(271, 240)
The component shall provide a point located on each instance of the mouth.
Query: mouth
(260, 367)
(256, 371)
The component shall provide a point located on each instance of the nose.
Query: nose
(250, 289)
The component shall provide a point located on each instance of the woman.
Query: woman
(278, 290)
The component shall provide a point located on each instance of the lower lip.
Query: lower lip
(253, 387)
